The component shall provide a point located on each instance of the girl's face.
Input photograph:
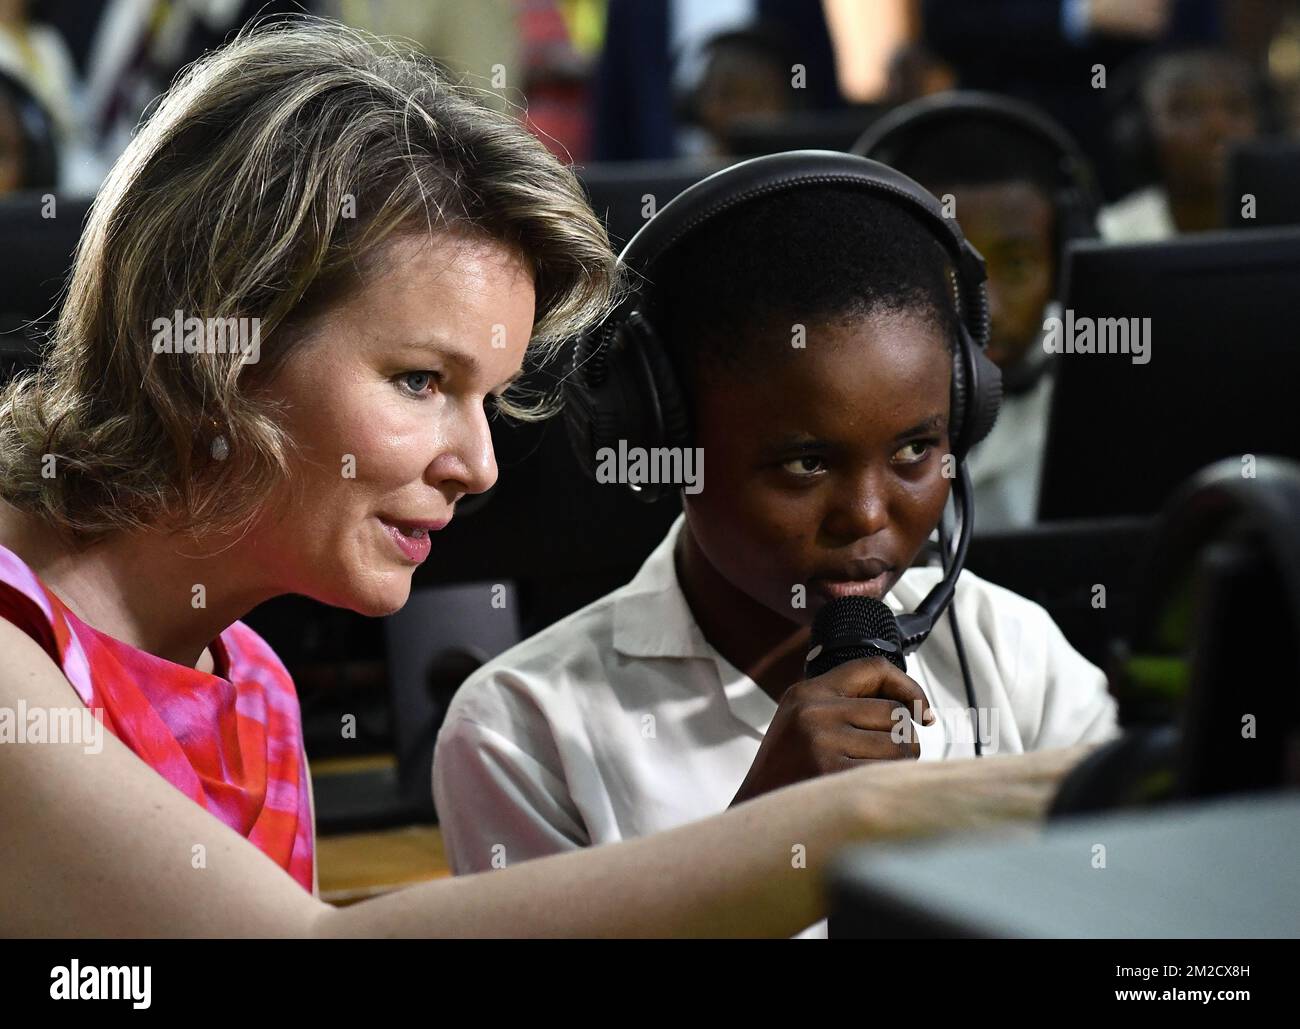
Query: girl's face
(823, 467)
(388, 403)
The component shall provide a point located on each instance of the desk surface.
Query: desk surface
(360, 865)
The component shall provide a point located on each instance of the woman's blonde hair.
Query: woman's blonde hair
(262, 186)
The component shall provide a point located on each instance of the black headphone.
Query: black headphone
(1078, 197)
(622, 387)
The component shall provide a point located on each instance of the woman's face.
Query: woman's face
(824, 468)
(388, 402)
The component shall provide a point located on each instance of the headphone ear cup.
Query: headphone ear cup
(597, 391)
(623, 388)
(958, 399)
(986, 399)
(663, 389)
(976, 395)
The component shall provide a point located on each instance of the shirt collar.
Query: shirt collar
(651, 616)
(653, 619)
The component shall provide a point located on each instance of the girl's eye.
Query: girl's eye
(912, 453)
(804, 466)
(417, 383)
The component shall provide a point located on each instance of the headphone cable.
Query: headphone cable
(945, 555)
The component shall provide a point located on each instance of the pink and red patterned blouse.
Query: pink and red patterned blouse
(230, 740)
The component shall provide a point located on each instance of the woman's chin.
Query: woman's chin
(377, 600)
(390, 602)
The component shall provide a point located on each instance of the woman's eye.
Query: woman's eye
(804, 466)
(913, 453)
(417, 383)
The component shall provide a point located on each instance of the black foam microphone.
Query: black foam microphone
(849, 628)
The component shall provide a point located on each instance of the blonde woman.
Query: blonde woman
(367, 233)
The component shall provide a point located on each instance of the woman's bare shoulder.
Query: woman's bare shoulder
(96, 843)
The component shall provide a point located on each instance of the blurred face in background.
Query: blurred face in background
(739, 85)
(1012, 224)
(1197, 106)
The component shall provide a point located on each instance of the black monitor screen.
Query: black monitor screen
(1260, 187)
(1220, 376)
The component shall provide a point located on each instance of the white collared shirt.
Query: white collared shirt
(1006, 468)
(1141, 217)
(621, 720)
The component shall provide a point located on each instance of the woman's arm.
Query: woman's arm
(97, 844)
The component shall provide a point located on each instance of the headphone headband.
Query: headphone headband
(763, 176)
(977, 388)
(889, 136)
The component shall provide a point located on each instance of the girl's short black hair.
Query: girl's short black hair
(732, 292)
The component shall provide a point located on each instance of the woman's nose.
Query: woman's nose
(467, 463)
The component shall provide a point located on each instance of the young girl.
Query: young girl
(812, 331)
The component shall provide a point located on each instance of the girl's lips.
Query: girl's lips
(874, 587)
(861, 577)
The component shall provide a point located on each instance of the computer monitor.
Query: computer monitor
(1260, 186)
(1219, 377)
(1059, 564)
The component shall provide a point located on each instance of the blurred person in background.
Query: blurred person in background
(560, 40)
(1047, 52)
(915, 71)
(653, 54)
(38, 63)
(530, 57)
(125, 52)
(746, 78)
(1020, 188)
(29, 155)
(1189, 108)
(479, 39)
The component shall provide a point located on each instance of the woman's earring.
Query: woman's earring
(220, 445)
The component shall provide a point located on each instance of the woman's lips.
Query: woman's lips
(411, 538)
